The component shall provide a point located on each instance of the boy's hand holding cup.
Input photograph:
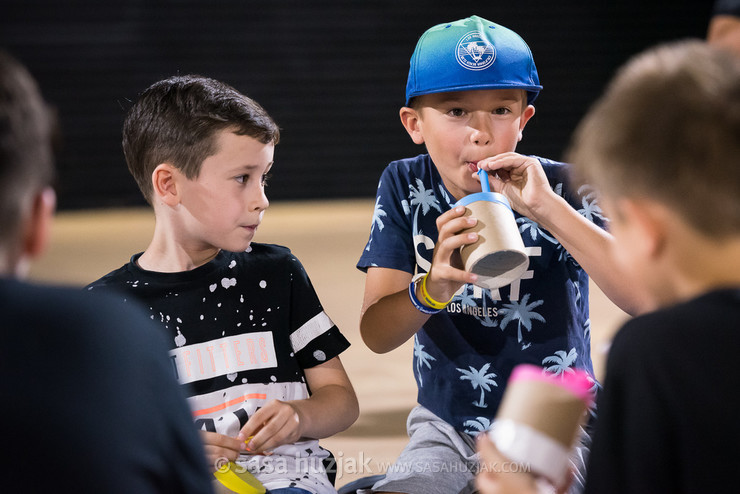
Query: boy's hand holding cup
(498, 256)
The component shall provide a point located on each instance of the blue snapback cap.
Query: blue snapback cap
(471, 53)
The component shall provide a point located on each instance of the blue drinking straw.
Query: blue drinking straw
(485, 186)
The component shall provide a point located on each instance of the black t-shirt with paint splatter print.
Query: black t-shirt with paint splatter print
(242, 329)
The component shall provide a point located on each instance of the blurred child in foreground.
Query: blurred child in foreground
(661, 147)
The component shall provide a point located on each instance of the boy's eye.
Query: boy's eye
(501, 111)
(456, 112)
(265, 178)
(241, 178)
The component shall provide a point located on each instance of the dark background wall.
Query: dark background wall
(332, 73)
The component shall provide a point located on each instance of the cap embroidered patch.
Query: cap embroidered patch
(474, 52)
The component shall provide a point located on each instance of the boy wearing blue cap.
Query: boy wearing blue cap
(468, 99)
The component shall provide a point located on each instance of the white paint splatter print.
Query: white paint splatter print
(180, 339)
(228, 282)
(263, 284)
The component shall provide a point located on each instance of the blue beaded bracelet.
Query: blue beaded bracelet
(417, 303)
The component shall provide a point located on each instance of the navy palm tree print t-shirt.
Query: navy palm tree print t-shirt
(464, 355)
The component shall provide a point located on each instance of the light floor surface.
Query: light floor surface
(328, 238)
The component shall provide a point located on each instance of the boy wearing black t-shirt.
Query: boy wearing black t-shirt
(249, 338)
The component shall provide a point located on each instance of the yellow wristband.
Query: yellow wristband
(427, 299)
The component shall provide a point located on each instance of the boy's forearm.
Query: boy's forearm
(329, 410)
(592, 248)
(390, 322)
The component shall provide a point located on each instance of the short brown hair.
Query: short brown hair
(27, 128)
(668, 128)
(176, 120)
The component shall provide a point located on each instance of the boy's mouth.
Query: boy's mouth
(472, 165)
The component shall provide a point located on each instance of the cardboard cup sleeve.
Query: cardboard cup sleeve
(539, 419)
(498, 256)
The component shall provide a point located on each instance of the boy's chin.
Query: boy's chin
(235, 246)
(241, 243)
(245, 247)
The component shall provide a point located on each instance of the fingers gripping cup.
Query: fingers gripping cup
(498, 256)
(538, 420)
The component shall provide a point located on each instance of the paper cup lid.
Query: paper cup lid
(483, 196)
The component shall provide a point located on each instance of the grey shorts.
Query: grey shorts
(437, 459)
(440, 460)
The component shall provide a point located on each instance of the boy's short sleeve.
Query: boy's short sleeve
(314, 337)
(390, 243)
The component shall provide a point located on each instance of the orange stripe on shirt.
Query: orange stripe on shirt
(252, 396)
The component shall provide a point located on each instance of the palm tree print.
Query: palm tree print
(523, 313)
(422, 358)
(405, 206)
(466, 296)
(486, 320)
(479, 424)
(420, 196)
(587, 329)
(534, 229)
(443, 193)
(378, 215)
(562, 362)
(576, 290)
(590, 209)
(558, 189)
(479, 379)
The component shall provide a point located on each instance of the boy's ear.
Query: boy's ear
(648, 223)
(526, 115)
(37, 231)
(411, 120)
(164, 184)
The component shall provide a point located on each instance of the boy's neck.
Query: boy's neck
(167, 254)
(163, 261)
(13, 265)
(172, 249)
(701, 265)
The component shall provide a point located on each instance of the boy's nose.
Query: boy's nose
(481, 131)
(260, 202)
(481, 138)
